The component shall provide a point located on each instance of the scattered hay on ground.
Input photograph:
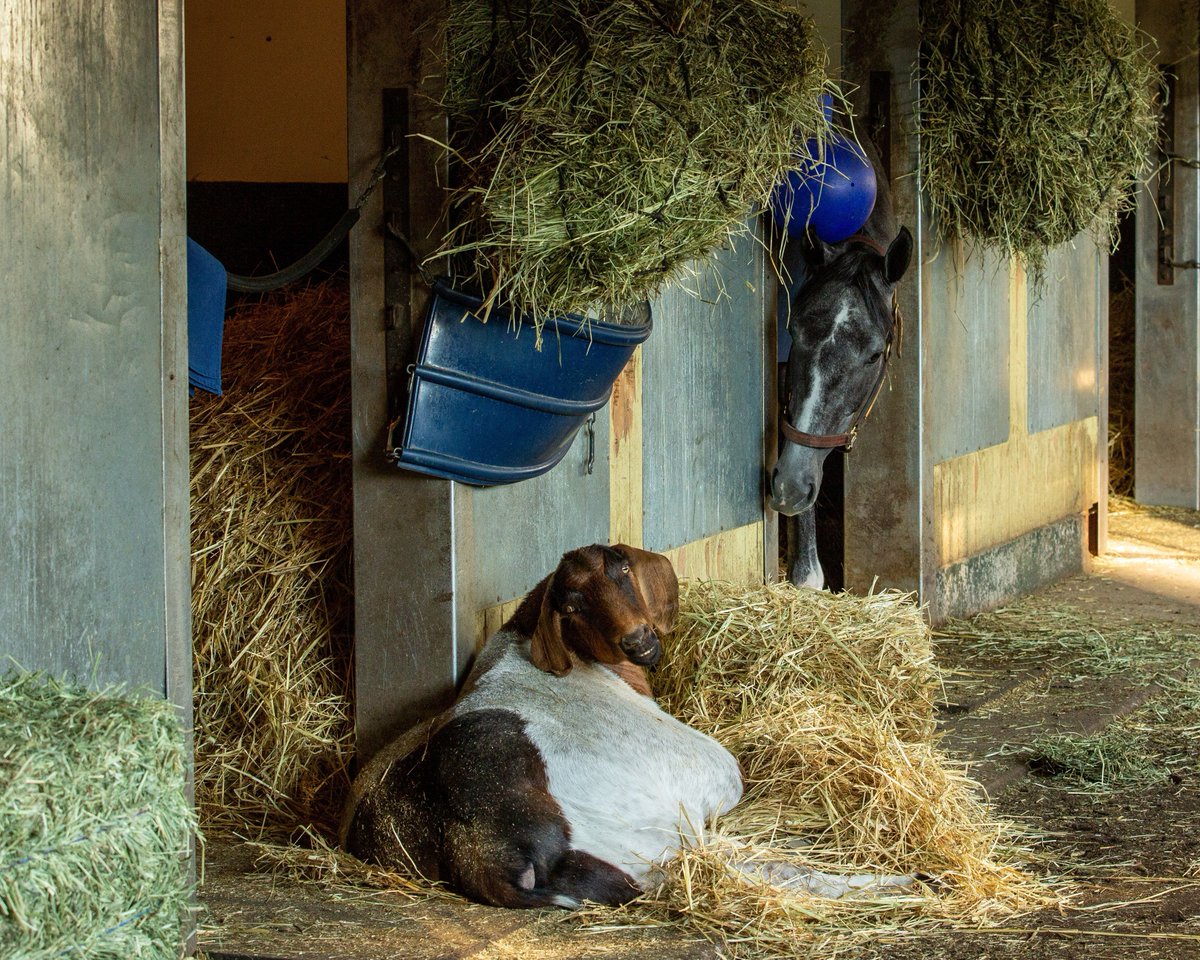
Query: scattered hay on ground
(601, 146)
(1036, 119)
(271, 593)
(95, 823)
(1111, 758)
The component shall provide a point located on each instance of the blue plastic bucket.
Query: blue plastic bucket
(486, 408)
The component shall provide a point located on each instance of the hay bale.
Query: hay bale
(827, 701)
(94, 823)
(271, 591)
(1036, 120)
(601, 146)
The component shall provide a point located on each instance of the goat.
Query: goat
(555, 778)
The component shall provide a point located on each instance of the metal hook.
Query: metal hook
(590, 432)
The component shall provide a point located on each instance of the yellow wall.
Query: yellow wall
(989, 497)
(266, 90)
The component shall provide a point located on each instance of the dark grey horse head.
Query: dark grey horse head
(841, 326)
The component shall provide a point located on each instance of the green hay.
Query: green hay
(1036, 120)
(602, 147)
(1114, 757)
(94, 823)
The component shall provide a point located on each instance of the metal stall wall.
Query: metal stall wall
(679, 454)
(1167, 377)
(93, 404)
(440, 565)
(972, 483)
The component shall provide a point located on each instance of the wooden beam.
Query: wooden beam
(625, 455)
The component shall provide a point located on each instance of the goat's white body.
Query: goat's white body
(629, 777)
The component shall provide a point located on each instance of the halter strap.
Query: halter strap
(829, 441)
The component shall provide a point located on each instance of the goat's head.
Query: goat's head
(607, 604)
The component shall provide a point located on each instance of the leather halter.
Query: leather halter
(828, 441)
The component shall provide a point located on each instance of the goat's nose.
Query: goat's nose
(641, 646)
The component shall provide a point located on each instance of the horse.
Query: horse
(843, 329)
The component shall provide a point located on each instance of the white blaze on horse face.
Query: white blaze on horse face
(808, 411)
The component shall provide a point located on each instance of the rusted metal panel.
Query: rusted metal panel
(1063, 310)
(1167, 387)
(93, 491)
(702, 417)
(967, 311)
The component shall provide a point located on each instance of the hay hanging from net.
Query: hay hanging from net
(602, 145)
(271, 592)
(828, 703)
(1036, 120)
(94, 822)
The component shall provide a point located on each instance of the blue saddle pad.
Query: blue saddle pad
(206, 288)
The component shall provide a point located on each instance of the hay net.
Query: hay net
(1036, 120)
(601, 145)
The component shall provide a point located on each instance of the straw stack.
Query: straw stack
(94, 823)
(271, 595)
(827, 701)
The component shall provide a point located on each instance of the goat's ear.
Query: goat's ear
(899, 253)
(658, 584)
(547, 649)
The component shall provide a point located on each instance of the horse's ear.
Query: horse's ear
(547, 649)
(817, 252)
(899, 253)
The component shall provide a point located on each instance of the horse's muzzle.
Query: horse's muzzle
(789, 497)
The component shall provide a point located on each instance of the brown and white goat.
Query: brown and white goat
(555, 778)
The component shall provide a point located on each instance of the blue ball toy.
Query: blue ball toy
(834, 193)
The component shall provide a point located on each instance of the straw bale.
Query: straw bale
(827, 701)
(271, 594)
(94, 822)
(602, 145)
(1036, 120)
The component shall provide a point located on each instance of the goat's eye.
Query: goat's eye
(873, 359)
(625, 569)
(569, 608)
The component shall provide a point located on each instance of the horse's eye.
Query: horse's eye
(568, 609)
(873, 359)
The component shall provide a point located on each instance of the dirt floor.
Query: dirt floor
(1085, 727)
(1129, 845)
